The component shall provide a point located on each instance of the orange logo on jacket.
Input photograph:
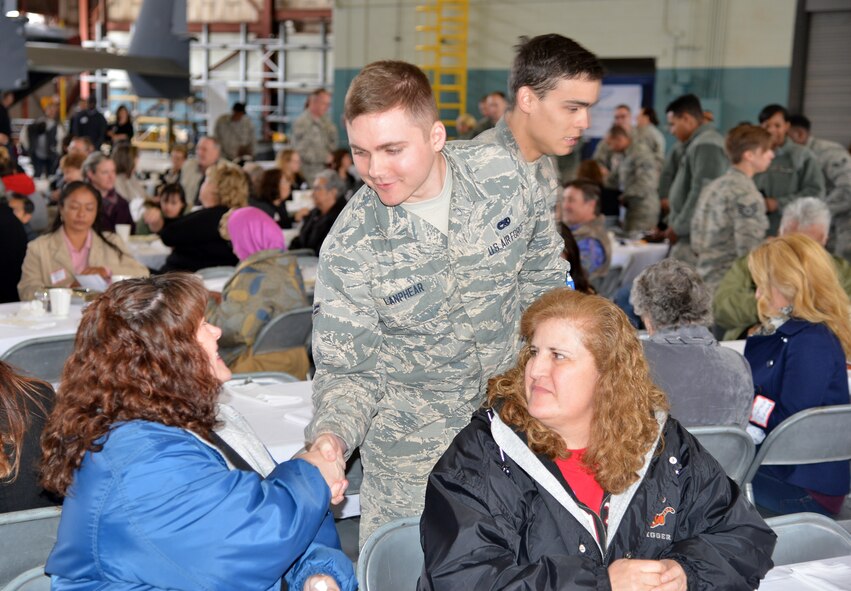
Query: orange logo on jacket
(660, 517)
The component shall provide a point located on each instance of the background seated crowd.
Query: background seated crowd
(582, 437)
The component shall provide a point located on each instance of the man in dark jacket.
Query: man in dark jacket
(89, 122)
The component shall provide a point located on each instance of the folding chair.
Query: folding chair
(291, 329)
(811, 436)
(807, 536)
(26, 539)
(41, 357)
(731, 446)
(392, 557)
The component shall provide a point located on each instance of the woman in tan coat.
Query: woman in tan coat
(75, 246)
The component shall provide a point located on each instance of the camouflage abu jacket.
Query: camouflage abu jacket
(408, 319)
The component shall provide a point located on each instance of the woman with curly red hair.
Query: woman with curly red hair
(157, 496)
(574, 468)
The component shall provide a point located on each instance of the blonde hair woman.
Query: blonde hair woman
(197, 239)
(574, 467)
(289, 162)
(798, 360)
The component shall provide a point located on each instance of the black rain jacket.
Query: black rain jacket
(497, 516)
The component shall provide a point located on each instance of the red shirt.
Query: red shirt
(581, 480)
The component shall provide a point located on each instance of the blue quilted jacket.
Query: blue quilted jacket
(158, 508)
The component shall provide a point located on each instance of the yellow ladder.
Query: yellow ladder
(445, 55)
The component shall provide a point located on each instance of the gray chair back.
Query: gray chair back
(41, 357)
(216, 272)
(731, 446)
(26, 539)
(392, 557)
(807, 536)
(291, 329)
(811, 436)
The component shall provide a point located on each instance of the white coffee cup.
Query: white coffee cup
(123, 231)
(60, 301)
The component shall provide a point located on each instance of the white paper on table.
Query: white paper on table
(94, 282)
(33, 322)
(823, 574)
(300, 417)
(263, 393)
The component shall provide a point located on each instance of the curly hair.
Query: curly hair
(624, 427)
(671, 294)
(231, 184)
(136, 357)
(802, 271)
(16, 395)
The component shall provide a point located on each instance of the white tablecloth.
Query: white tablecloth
(830, 574)
(14, 330)
(635, 255)
(151, 253)
(278, 413)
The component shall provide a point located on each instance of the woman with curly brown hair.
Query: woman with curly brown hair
(155, 497)
(573, 475)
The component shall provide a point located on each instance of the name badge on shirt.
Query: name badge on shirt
(57, 276)
(761, 410)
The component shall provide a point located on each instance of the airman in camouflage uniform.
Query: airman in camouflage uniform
(647, 132)
(703, 160)
(536, 126)
(729, 220)
(314, 135)
(835, 165)
(409, 321)
(539, 176)
(793, 173)
(637, 178)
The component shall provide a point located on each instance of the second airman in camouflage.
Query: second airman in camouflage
(793, 173)
(420, 288)
(553, 83)
(729, 218)
(637, 178)
(835, 162)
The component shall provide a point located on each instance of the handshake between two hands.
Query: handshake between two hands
(327, 454)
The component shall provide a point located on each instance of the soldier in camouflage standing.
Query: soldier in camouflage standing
(637, 178)
(835, 165)
(729, 218)
(552, 84)
(314, 135)
(793, 173)
(703, 160)
(420, 288)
